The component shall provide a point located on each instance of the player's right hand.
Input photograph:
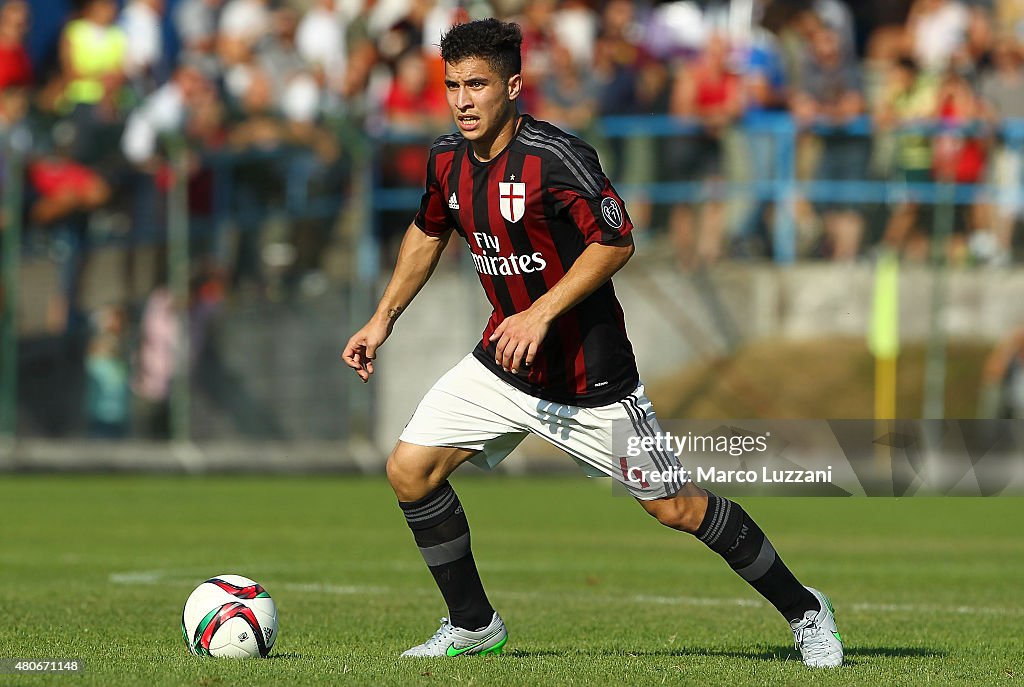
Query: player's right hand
(361, 349)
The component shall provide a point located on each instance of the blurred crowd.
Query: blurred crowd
(269, 100)
(908, 90)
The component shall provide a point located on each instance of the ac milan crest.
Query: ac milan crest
(512, 200)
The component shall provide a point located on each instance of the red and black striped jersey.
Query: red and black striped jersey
(527, 215)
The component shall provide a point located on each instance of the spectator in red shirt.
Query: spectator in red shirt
(412, 102)
(63, 195)
(15, 66)
(707, 92)
(960, 155)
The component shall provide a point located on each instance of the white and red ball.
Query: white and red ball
(229, 616)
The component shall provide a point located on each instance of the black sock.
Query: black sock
(439, 526)
(728, 531)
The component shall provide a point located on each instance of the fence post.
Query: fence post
(935, 358)
(11, 269)
(178, 282)
(361, 400)
(784, 241)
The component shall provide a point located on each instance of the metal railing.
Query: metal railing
(168, 222)
(783, 188)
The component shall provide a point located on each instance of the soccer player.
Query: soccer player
(547, 231)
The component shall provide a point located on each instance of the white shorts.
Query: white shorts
(471, 408)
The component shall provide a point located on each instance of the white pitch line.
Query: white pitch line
(669, 600)
(860, 607)
(148, 577)
(137, 577)
(344, 590)
(914, 608)
(691, 601)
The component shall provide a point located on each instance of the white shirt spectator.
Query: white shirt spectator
(248, 20)
(237, 80)
(437, 22)
(140, 21)
(384, 14)
(161, 112)
(938, 32)
(196, 20)
(158, 350)
(320, 40)
(576, 29)
(675, 26)
(300, 99)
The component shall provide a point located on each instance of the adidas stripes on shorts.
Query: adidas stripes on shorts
(471, 408)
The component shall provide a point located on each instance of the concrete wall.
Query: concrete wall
(674, 318)
(280, 361)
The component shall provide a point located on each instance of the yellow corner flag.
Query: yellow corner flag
(884, 336)
(884, 333)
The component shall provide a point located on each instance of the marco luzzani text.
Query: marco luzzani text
(686, 445)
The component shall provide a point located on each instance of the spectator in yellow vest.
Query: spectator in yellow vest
(92, 55)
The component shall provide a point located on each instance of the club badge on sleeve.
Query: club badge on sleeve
(612, 212)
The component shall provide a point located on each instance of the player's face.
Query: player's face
(482, 103)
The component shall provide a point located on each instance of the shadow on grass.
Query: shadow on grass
(782, 653)
(531, 653)
(773, 654)
(896, 652)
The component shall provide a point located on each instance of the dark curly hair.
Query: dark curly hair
(496, 41)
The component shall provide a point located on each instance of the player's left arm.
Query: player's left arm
(519, 336)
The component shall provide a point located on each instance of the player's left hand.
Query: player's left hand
(518, 339)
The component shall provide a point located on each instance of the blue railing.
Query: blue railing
(783, 188)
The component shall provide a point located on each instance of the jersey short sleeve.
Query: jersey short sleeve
(432, 217)
(585, 193)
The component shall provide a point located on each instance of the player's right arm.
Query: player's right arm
(422, 246)
(417, 259)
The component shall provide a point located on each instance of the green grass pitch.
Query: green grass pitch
(927, 591)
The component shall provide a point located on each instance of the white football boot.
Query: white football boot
(817, 636)
(456, 641)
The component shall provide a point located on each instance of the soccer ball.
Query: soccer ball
(229, 616)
